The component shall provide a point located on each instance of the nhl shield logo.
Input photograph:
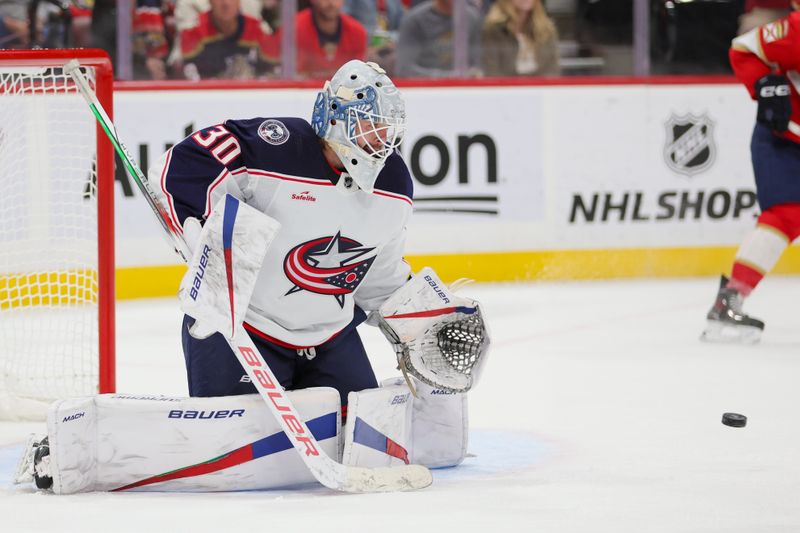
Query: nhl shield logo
(689, 146)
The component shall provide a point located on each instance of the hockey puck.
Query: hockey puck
(734, 420)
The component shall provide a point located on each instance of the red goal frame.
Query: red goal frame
(104, 80)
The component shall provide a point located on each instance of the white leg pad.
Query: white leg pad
(117, 441)
(378, 428)
(432, 430)
(440, 428)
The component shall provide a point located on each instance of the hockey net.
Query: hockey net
(56, 233)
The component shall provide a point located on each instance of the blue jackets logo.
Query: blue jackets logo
(333, 265)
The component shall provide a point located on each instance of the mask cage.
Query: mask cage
(376, 135)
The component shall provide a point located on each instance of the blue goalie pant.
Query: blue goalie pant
(213, 370)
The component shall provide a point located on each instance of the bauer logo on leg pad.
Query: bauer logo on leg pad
(400, 399)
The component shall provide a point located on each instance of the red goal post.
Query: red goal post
(57, 326)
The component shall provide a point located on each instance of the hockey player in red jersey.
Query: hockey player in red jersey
(767, 61)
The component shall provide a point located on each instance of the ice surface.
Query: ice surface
(599, 411)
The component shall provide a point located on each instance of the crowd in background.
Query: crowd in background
(241, 39)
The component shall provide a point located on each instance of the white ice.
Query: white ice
(599, 411)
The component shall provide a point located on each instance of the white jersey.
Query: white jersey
(335, 253)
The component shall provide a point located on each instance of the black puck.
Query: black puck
(734, 420)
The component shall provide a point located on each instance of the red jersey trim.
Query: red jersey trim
(282, 344)
(170, 202)
(323, 182)
(394, 196)
(222, 175)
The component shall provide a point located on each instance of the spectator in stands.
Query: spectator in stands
(425, 41)
(14, 27)
(271, 13)
(227, 44)
(376, 15)
(104, 28)
(759, 12)
(14, 31)
(151, 34)
(381, 19)
(519, 39)
(187, 16)
(149, 39)
(327, 38)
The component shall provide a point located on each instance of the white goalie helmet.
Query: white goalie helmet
(361, 114)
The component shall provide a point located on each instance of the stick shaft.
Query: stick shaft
(73, 69)
(327, 471)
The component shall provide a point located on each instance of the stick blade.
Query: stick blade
(387, 479)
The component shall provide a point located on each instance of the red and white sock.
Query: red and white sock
(761, 248)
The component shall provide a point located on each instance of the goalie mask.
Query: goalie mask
(361, 114)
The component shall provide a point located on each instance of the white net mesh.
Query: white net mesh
(48, 234)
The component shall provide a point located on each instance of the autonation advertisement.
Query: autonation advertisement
(510, 169)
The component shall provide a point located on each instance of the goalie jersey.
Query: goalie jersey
(335, 252)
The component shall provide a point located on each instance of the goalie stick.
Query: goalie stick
(328, 472)
(73, 69)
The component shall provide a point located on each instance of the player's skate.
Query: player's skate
(35, 463)
(727, 322)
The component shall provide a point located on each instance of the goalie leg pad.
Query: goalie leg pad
(378, 428)
(154, 443)
(388, 425)
(440, 429)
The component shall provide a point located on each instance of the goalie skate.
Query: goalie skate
(727, 323)
(34, 466)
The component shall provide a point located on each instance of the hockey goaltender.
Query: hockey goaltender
(295, 232)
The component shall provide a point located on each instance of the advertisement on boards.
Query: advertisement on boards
(475, 161)
(657, 166)
(511, 169)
